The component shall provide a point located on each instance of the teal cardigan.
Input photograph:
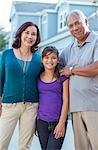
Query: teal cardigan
(16, 86)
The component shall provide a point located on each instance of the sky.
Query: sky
(5, 8)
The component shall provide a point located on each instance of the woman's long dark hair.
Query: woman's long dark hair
(17, 41)
(48, 50)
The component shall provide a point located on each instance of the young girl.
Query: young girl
(53, 102)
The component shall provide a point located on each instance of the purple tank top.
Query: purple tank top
(50, 99)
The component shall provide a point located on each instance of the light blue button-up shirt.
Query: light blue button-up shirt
(83, 90)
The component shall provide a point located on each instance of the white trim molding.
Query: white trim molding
(55, 38)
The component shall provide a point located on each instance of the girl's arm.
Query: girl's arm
(60, 128)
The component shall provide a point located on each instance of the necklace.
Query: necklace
(24, 59)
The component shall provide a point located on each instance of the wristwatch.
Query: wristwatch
(71, 68)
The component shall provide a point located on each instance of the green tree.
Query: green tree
(2, 40)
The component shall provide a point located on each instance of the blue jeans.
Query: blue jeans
(47, 139)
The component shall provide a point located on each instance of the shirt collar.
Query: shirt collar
(89, 39)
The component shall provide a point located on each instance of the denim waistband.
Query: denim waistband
(48, 122)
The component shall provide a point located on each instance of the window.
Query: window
(44, 19)
(62, 21)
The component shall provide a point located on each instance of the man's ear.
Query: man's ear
(86, 22)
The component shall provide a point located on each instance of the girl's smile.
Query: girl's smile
(50, 60)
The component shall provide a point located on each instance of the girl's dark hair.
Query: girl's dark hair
(47, 51)
(17, 41)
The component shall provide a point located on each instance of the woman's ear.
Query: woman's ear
(58, 60)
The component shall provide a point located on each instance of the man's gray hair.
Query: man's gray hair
(77, 12)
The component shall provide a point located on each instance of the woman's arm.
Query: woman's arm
(2, 78)
(2, 74)
(0, 106)
(60, 128)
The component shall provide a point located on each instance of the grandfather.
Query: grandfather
(81, 63)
